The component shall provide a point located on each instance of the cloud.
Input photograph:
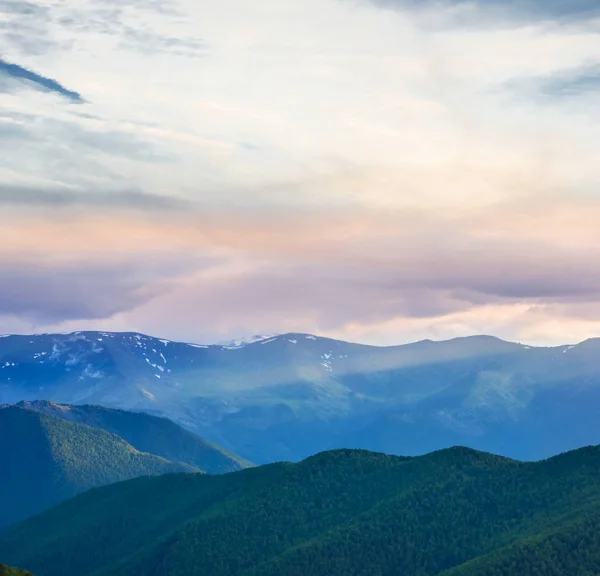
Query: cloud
(35, 29)
(29, 78)
(72, 291)
(570, 83)
(24, 26)
(78, 152)
(151, 41)
(309, 270)
(77, 290)
(47, 288)
(56, 198)
(501, 12)
(347, 169)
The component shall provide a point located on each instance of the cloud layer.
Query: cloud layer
(368, 170)
(27, 77)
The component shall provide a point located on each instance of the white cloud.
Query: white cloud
(311, 104)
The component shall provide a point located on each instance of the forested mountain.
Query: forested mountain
(45, 459)
(456, 512)
(290, 396)
(8, 571)
(146, 433)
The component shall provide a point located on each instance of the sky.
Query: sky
(382, 171)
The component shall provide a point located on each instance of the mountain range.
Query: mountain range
(455, 512)
(50, 452)
(290, 396)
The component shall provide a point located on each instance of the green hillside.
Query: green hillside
(44, 460)
(150, 434)
(8, 571)
(456, 512)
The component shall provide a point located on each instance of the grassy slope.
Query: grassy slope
(44, 460)
(456, 512)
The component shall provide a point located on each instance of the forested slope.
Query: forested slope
(456, 512)
(146, 433)
(8, 571)
(44, 460)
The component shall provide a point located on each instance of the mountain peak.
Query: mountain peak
(246, 340)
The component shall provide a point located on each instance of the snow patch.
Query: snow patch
(327, 366)
(56, 351)
(147, 394)
(89, 372)
(242, 342)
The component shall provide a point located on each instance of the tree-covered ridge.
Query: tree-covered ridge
(571, 548)
(8, 571)
(456, 512)
(147, 433)
(44, 460)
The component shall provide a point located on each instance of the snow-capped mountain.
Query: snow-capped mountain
(240, 342)
(288, 396)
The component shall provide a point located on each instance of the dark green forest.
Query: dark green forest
(45, 459)
(456, 512)
(8, 571)
(146, 433)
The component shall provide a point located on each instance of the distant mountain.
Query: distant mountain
(290, 396)
(45, 459)
(456, 512)
(146, 433)
(241, 342)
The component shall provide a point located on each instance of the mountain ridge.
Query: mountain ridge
(258, 339)
(292, 395)
(45, 459)
(147, 433)
(454, 512)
